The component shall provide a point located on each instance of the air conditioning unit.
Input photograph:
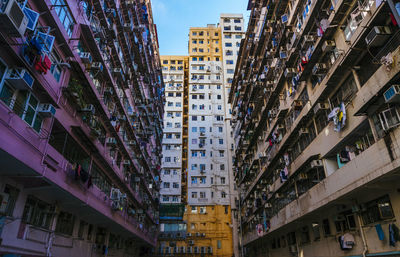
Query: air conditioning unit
(316, 163)
(96, 66)
(117, 70)
(303, 131)
(13, 20)
(328, 45)
(290, 72)
(127, 27)
(319, 69)
(20, 78)
(321, 106)
(302, 176)
(88, 108)
(111, 141)
(392, 94)
(86, 57)
(47, 110)
(3, 202)
(191, 242)
(378, 36)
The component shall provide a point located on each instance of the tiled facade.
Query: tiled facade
(81, 126)
(315, 105)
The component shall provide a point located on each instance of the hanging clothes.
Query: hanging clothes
(283, 176)
(393, 234)
(379, 231)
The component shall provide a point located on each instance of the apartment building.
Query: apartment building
(316, 116)
(80, 123)
(206, 226)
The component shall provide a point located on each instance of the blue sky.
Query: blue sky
(174, 18)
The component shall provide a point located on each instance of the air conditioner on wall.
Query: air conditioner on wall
(20, 78)
(96, 66)
(86, 57)
(392, 94)
(321, 106)
(378, 36)
(328, 45)
(47, 110)
(316, 163)
(13, 20)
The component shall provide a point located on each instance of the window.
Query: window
(24, 104)
(220, 129)
(65, 16)
(167, 159)
(228, 44)
(219, 244)
(64, 221)
(82, 225)
(12, 193)
(236, 20)
(166, 185)
(194, 118)
(229, 61)
(219, 97)
(165, 62)
(222, 180)
(223, 195)
(194, 33)
(221, 141)
(222, 167)
(194, 180)
(167, 172)
(194, 195)
(194, 166)
(221, 153)
(175, 185)
(194, 141)
(202, 180)
(238, 36)
(203, 210)
(315, 228)
(194, 129)
(377, 210)
(38, 213)
(305, 235)
(165, 198)
(202, 195)
(227, 36)
(230, 71)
